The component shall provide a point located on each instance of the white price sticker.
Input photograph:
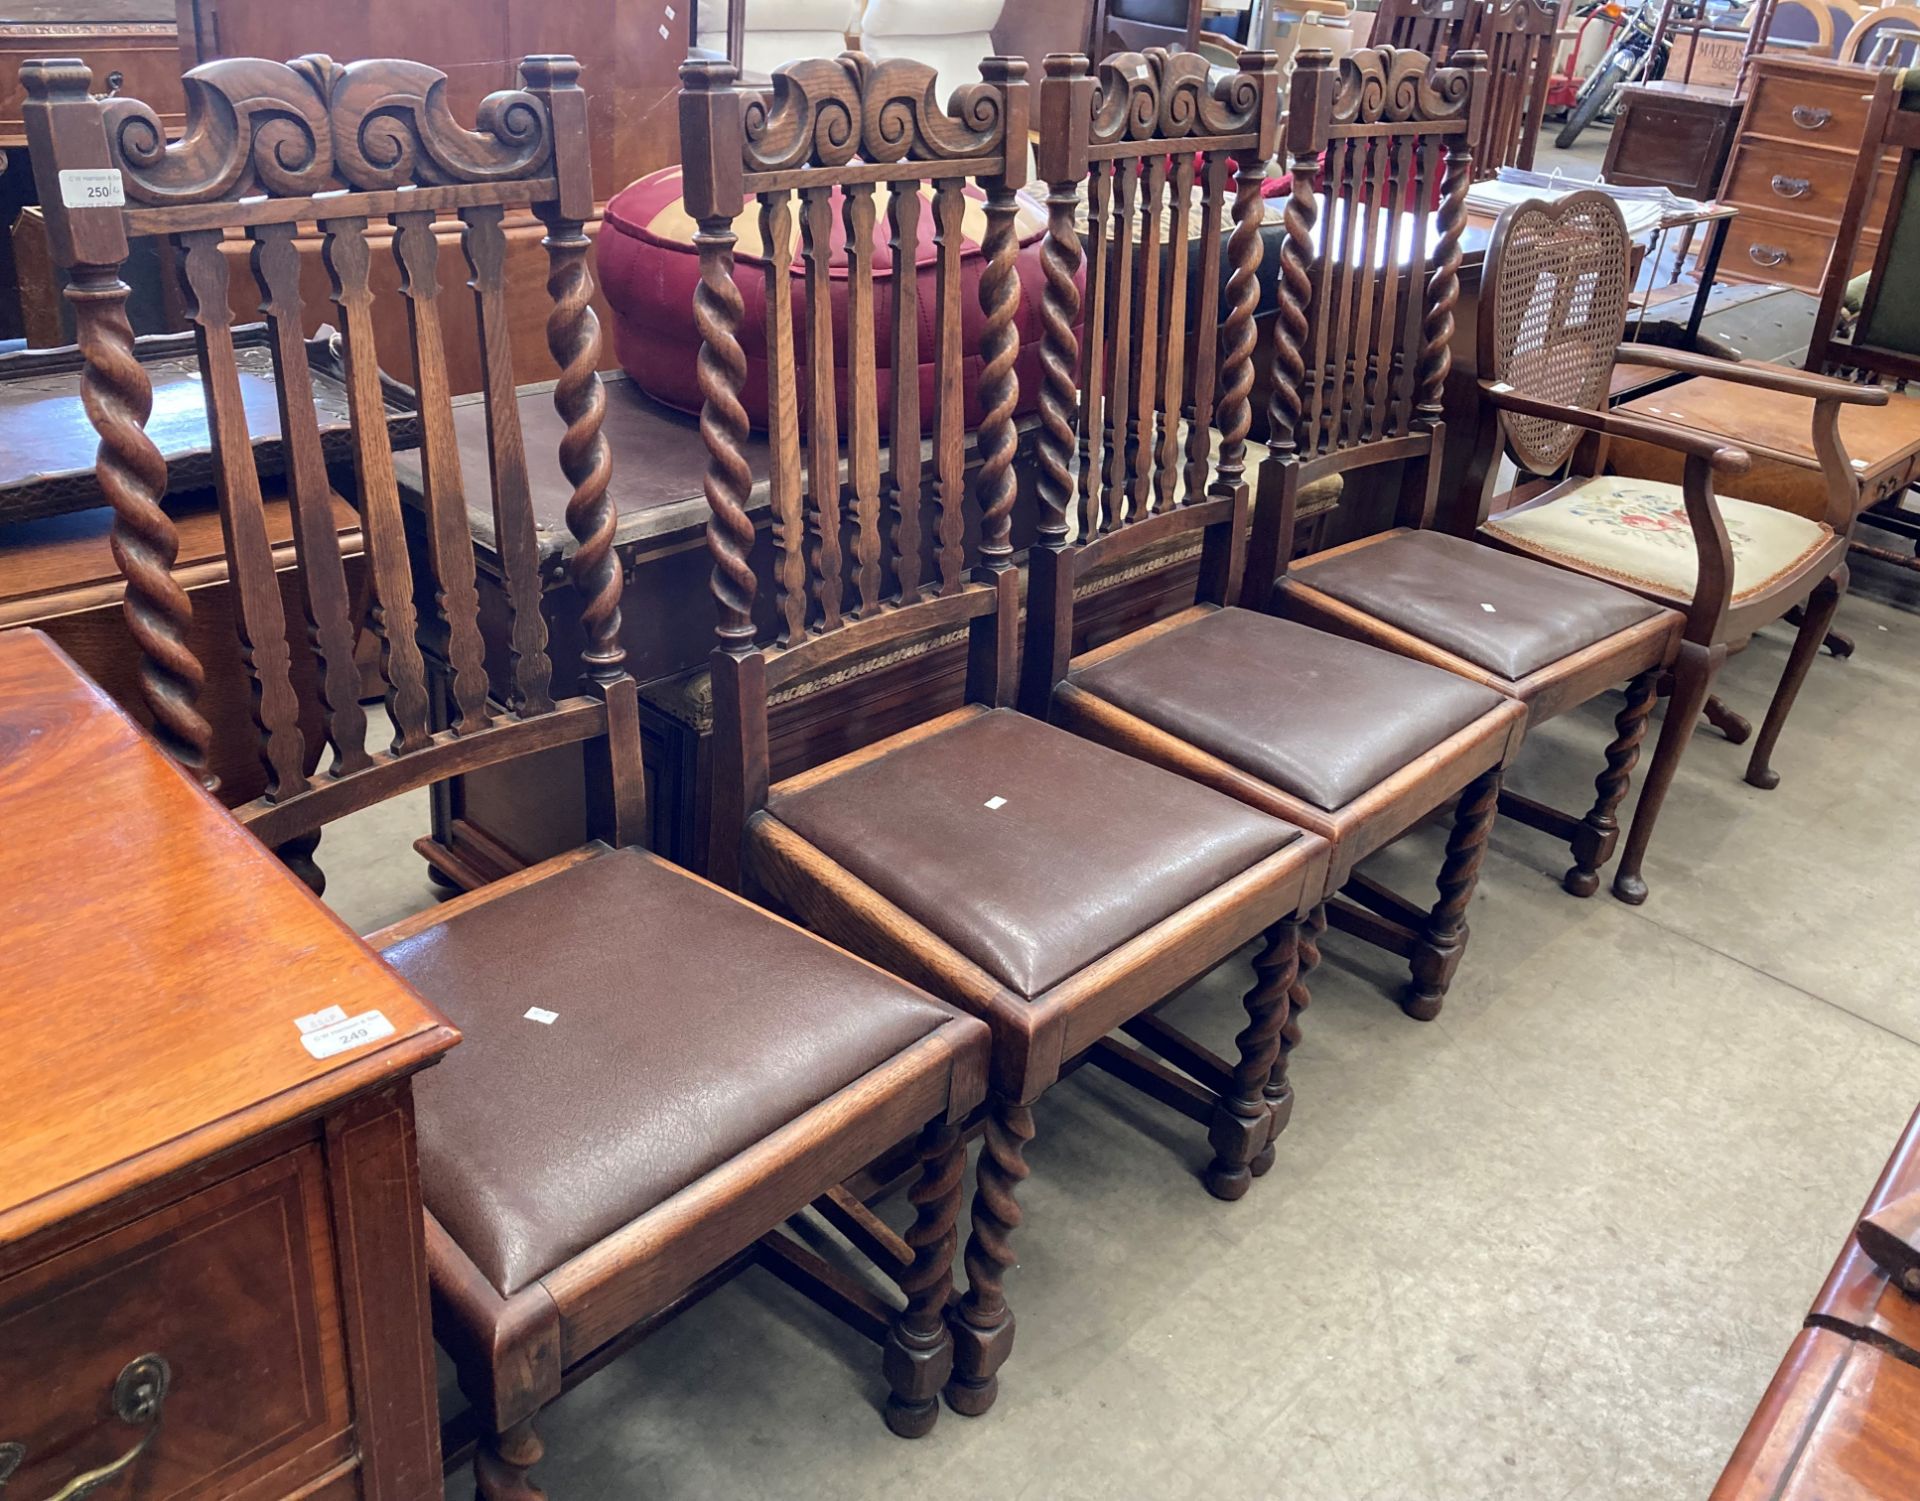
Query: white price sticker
(543, 1016)
(996, 803)
(341, 1037)
(92, 187)
(330, 1017)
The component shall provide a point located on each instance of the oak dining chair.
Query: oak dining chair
(1552, 314)
(1517, 626)
(656, 1075)
(1053, 887)
(1356, 744)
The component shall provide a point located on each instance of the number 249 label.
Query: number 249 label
(92, 187)
(342, 1036)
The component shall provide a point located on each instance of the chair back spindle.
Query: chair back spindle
(849, 571)
(1160, 449)
(1381, 153)
(353, 149)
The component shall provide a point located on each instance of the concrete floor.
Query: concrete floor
(1550, 1245)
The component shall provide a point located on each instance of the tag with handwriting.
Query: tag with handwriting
(92, 187)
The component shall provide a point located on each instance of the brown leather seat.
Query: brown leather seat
(1030, 850)
(691, 1025)
(1313, 714)
(1439, 588)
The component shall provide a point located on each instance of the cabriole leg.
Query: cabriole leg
(1806, 646)
(1693, 676)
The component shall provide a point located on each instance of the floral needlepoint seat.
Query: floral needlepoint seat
(1636, 530)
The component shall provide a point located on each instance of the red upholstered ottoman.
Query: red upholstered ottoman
(649, 268)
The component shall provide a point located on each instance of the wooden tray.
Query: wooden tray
(47, 445)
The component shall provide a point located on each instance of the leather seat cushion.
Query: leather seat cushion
(690, 1026)
(1507, 614)
(1636, 530)
(1030, 850)
(1315, 715)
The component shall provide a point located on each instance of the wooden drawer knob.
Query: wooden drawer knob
(138, 1392)
(1791, 187)
(1811, 117)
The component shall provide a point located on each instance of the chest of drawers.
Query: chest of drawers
(212, 1264)
(1801, 143)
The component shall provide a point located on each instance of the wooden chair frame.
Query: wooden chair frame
(1904, 19)
(1122, 141)
(1715, 624)
(268, 147)
(1889, 127)
(1517, 37)
(741, 146)
(1397, 367)
(1636, 656)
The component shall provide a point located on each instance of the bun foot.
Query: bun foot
(1630, 889)
(1229, 1183)
(1422, 1005)
(971, 1399)
(912, 1419)
(1580, 881)
(1765, 778)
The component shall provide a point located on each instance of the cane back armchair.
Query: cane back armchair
(693, 1071)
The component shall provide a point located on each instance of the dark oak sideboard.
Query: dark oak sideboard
(212, 1267)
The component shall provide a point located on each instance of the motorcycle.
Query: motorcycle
(1631, 56)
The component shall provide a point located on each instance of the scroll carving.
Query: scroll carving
(1166, 96)
(315, 126)
(824, 112)
(1393, 84)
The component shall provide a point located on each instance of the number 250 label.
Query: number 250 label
(92, 187)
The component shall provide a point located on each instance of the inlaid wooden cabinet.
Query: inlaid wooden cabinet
(212, 1264)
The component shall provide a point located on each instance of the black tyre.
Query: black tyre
(1593, 98)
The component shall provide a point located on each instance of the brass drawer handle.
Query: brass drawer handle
(1810, 117)
(1767, 255)
(1791, 187)
(138, 1392)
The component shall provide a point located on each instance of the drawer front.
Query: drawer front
(1781, 179)
(234, 1289)
(1777, 252)
(146, 56)
(1808, 112)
